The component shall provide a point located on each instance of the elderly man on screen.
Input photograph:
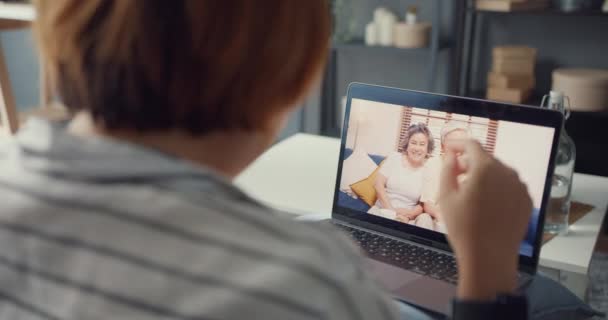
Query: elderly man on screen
(453, 136)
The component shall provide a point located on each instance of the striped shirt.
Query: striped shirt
(100, 229)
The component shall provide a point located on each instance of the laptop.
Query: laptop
(390, 158)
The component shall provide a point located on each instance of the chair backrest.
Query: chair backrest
(9, 120)
(9, 117)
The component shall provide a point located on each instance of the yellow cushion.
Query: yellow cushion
(365, 189)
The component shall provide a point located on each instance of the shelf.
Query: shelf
(360, 45)
(548, 12)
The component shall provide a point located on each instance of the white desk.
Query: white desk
(17, 11)
(298, 175)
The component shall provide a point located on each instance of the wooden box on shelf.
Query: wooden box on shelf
(514, 60)
(511, 5)
(512, 76)
(509, 95)
(521, 67)
(507, 81)
(514, 52)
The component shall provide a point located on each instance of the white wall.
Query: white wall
(526, 148)
(373, 126)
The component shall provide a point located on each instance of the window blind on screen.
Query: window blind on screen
(482, 129)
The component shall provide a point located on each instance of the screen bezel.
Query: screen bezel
(437, 102)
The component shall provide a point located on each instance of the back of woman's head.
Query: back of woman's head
(192, 65)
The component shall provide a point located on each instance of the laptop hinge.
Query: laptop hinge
(421, 241)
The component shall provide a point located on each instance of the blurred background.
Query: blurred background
(446, 47)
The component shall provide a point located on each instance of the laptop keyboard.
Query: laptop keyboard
(408, 256)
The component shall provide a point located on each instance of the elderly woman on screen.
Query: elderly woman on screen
(400, 178)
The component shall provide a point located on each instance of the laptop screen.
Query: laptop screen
(393, 156)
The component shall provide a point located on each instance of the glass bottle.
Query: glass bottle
(558, 209)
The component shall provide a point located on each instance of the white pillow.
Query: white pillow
(356, 168)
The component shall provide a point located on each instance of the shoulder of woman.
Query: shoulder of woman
(392, 157)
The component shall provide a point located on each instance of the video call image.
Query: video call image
(393, 159)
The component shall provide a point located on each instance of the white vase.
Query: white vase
(371, 34)
(385, 29)
(379, 14)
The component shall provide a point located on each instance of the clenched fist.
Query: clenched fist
(486, 216)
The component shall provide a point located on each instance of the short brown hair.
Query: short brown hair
(419, 128)
(195, 65)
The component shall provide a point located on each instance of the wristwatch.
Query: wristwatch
(506, 306)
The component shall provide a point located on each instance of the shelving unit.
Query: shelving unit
(360, 45)
(548, 12)
(588, 129)
(468, 29)
(329, 97)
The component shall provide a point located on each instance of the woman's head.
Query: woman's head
(418, 143)
(192, 65)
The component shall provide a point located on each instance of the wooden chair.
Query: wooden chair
(10, 117)
(19, 16)
(9, 120)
